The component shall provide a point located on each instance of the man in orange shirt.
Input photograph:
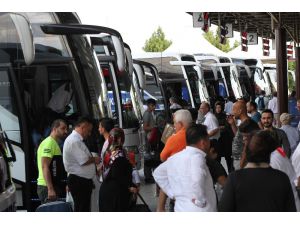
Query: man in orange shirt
(182, 120)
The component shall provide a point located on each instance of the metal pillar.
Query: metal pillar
(281, 61)
(297, 72)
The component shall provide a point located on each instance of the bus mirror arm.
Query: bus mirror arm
(11, 150)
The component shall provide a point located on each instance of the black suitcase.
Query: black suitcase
(57, 206)
(140, 207)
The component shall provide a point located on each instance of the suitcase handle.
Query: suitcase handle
(144, 202)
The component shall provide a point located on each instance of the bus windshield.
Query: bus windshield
(194, 84)
(125, 88)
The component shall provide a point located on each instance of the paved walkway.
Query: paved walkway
(148, 192)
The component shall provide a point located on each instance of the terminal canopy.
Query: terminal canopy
(262, 23)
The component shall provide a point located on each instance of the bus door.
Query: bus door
(237, 87)
(214, 78)
(135, 93)
(7, 188)
(177, 87)
(131, 108)
(247, 81)
(103, 47)
(16, 33)
(151, 86)
(120, 90)
(12, 119)
(260, 82)
(196, 79)
(271, 76)
(44, 84)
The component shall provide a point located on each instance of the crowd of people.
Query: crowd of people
(261, 152)
(260, 147)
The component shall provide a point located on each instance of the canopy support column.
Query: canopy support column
(297, 73)
(281, 65)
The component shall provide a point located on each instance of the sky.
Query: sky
(137, 27)
(136, 20)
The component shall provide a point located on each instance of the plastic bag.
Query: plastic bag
(69, 199)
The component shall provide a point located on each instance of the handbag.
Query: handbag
(168, 132)
(69, 199)
(152, 136)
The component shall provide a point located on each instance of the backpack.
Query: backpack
(261, 103)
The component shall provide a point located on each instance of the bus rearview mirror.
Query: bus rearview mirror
(25, 35)
(119, 53)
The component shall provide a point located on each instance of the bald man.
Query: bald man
(239, 112)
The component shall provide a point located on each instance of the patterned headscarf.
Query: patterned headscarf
(115, 150)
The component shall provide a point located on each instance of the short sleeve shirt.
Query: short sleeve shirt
(212, 123)
(48, 148)
(75, 155)
(174, 144)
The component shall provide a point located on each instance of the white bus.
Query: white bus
(7, 187)
(125, 103)
(181, 82)
(40, 52)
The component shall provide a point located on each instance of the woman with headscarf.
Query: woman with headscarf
(117, 186)
(226, 136)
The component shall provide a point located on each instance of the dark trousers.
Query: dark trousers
(81, 190)
(151, 161)
(42, 192)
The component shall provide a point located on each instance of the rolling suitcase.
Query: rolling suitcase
(57, 206)
(140, 207)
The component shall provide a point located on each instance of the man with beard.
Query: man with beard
(50, 165)
(280, 156)
(279, 135)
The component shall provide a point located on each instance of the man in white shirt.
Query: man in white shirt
(210, 121)
(185, 176)
(228, 105)
(273, 105)
(80, 165)
(174, 103)
(280, 161)
(292, 133)
(296, 164)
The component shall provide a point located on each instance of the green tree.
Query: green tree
(157, 42)
(291, 82)
(292, 66)
(214, 39)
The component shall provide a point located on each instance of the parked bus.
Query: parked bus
(271, 73)
(258, 78)
(179, 82)
(150, 85)
(7, 187)
(39, 53)
(125, 104)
